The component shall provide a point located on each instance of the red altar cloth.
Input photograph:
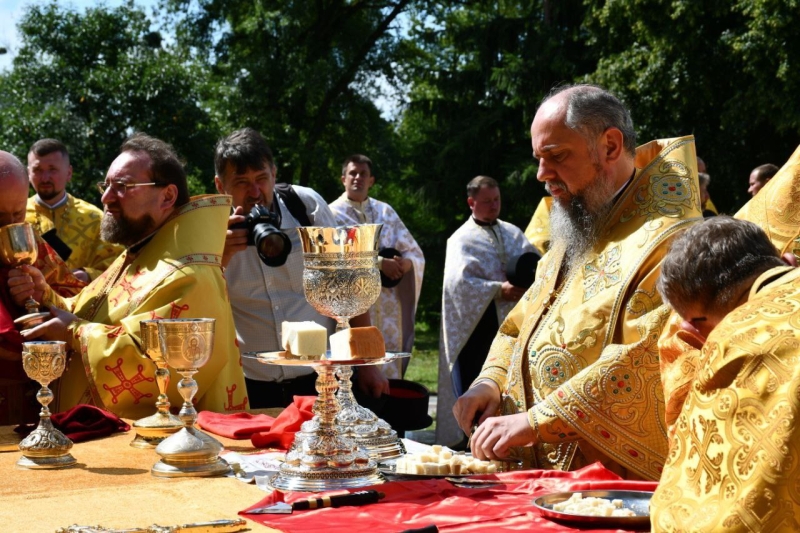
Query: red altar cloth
(415, 504)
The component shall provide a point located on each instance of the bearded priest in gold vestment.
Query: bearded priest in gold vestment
(734, 452)
(574, 367)
(170, 269)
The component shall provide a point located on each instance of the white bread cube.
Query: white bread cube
(304, 338)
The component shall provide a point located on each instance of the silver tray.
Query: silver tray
(636, 501)
(388, 468)
(279, 358)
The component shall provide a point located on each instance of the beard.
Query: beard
(48, 195)
(124, 230)
(576, 224)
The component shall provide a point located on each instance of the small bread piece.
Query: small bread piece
(304, 338)
(358, 343)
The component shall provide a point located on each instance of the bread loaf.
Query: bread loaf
(304, 338)
(358, 343)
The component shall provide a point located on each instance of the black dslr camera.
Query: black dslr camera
(273, 246)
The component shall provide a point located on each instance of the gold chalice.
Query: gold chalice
(150, 431)
(18, 247)
(186, 345)
(45, 447)
(341, 280)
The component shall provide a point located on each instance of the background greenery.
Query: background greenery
(462, 80)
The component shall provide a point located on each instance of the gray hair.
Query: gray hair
(704, 179)
(707, 263)
(591, 110)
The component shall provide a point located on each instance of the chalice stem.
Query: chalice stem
(188, 388)
(162, 378)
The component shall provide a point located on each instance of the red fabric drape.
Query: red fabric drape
(414, 504)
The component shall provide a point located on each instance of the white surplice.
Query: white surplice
(396, 307)
(474, 271)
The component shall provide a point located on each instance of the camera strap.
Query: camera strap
(293, 202)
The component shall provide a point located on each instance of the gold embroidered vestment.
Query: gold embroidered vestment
(177, 274)
(582, 358)
(734, 457)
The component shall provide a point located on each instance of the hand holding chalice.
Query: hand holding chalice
(18, 247)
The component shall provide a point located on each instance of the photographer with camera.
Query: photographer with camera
(264, 267)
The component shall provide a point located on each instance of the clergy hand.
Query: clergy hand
(393, 268)
(480, 402)
(371, 381)
(54, 329)
(510, 292)
(26, 281)
(236, 239)
(493, 438)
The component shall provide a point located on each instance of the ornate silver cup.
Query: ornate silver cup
(341, 280)
(45, 447)
(341, 277)
(150, 431)
(18, 247)
(186, 345)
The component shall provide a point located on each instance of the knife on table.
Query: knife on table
(337, 500)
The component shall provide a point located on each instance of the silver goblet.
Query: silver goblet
(341, 280)
(18, 247)
(45, 447)
(150, 431)
(186, 345)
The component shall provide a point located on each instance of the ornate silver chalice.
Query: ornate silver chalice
(18, 247)
(341, 280)
(186, 345)
(45, 447)
(150, 431)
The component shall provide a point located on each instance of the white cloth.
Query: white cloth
(396, 307)
(262, 297)
(474, 271)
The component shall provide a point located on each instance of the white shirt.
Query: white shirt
(262, 297)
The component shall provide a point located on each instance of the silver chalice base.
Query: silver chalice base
(362, 425)
(190, 453)
(154, 429)
(45, 448)
(324, 461)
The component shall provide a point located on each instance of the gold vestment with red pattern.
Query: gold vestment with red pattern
(734, 453)
(581, 358)
(176, 274)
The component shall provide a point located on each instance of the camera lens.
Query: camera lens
(273, 246)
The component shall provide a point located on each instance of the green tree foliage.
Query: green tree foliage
(299, 72)
(476, 71)
(91, 79)
(727, 72)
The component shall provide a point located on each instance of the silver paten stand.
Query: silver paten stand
(341, 280)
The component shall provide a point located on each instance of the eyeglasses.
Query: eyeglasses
(120, 187)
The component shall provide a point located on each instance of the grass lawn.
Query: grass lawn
(424, 365)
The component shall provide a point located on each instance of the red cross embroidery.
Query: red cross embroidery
(230, 406)
(126, 384)
(127, 286)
